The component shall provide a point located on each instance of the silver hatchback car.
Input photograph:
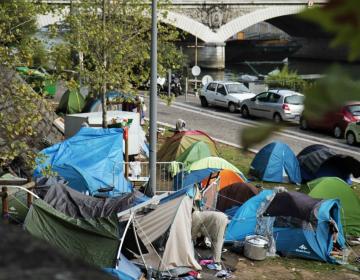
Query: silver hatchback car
(278, 105)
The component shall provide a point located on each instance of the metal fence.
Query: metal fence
(138, 174)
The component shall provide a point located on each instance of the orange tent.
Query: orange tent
(227, 177)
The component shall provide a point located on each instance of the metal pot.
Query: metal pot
(256, 247)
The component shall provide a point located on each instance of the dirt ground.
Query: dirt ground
(281, 268)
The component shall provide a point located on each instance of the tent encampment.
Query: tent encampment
(276, 162)
(91, 161)
(320, 161)
(81, 225)
(180, 141)
(71, 102)
(333, 187)
(235, 195)
(300, 225)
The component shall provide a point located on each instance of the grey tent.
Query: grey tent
(166, 234)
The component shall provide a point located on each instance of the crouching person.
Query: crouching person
(212, 225)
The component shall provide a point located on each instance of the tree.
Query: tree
(20, 106)
(112, 43)
(286, 78)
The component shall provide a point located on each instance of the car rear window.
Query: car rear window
(236, 88)
(294, 99)
(354, 109)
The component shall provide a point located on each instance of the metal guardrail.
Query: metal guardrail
(139, 174)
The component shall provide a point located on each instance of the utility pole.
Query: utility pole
(153, 97)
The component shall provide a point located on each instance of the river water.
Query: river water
(302, 66)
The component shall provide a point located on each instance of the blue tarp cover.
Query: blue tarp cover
(127, 270)
(89, 160)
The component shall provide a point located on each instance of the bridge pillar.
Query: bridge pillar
(212, 56)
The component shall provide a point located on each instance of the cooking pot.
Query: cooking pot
(256, 247)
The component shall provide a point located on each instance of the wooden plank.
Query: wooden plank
(13, 182)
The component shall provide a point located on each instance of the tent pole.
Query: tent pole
(122, 240)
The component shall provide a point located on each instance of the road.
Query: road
(226, 127)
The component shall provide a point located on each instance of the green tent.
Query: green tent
(195, 152)
(94, 240)
(214, 162)
(71, 102)
(181, 141)
(333, 187)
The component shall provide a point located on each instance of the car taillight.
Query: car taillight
(348, 117)
(286, 107)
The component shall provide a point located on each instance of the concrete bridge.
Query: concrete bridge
(215, 21)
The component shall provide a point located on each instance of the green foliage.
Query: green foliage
(255, 135)
(17, 25)
(342, 18)
(286, 78)
(19, 115)
(330, 93)
(168, 99)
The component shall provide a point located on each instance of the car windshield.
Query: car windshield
(294, 99)
(236, 88)
(355, 110)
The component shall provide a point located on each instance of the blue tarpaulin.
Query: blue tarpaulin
(126, 271)
(90, 160)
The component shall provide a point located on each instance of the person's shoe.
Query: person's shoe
(218, 266)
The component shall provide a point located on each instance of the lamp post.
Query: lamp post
(153, 97)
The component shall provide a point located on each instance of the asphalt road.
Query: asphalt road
(227, 127)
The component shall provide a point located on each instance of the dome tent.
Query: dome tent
(179, 142)
(71, 102)
(320, 161)
(333, 187)
(195, 152)
(276, 162)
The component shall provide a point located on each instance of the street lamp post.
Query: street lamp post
(153, 97)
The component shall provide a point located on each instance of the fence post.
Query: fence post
(186, 87)
(5, 205)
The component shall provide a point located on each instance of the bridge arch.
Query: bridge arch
(239, 24)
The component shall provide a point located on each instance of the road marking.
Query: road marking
(298, 136)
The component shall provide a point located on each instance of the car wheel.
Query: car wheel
(232, 107)
(303, 124)
(338, 132)
(245, 112)
(277, 118)
(350, 138)
(204, 102)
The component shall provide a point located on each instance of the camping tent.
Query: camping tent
(235, 195)
(276, 162)
(299, 224)
(80, 225)
(180, 141)
(71, 102)
(214, 162)
(333, 187)
(120, 98)
(91, 161)
(226, 177)
(320, 161)
(195, 152)
(163, 230)
(185, 179)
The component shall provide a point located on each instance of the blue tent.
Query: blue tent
(301, 227)
(185, 179)
(276, 162)
(89, 161)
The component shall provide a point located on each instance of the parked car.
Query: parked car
(224, 94)
(352, 133)
(335, 121)
(276, 104)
